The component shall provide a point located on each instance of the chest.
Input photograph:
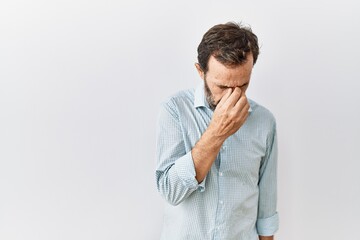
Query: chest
(240, 154)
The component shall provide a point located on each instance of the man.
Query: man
(217, 149)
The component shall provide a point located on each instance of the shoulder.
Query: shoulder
(176, 103)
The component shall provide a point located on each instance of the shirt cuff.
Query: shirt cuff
(185, 170)
(268, 226)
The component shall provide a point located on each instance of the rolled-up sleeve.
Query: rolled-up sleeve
(175, 170)
(268, 226)
(185, 170)
(268, 218)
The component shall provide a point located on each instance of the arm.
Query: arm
(229, 115)
(268, 220)
(179, 173)
(175, 174)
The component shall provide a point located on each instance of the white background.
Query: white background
(80, 86)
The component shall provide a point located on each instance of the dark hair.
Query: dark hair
(229, 43)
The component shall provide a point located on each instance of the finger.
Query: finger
(244, 117)
(225, 97)
(240, 104)
(235, 96)
(243, 112)
(245, 109)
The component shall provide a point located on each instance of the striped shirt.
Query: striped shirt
(237, 198)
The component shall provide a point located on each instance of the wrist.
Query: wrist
(214, 139)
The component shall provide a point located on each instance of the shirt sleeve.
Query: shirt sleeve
(268, 219)
(175, 170)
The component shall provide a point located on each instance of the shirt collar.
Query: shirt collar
(199, 96)
(200, 99)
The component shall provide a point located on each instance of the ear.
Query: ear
(200, 71)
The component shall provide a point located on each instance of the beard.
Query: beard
(209, 96)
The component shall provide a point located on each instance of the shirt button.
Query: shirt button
(221, 202)
(220, 173)
(223, 148)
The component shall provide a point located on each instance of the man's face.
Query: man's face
(219, 78)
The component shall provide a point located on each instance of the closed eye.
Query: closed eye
(223, 87)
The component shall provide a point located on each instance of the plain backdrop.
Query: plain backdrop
(80, 88)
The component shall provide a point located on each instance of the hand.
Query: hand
(230, 114)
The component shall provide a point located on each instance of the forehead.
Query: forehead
(229, 76)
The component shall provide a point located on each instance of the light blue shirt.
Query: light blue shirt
(237, 199)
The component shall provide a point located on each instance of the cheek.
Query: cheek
(244, 88)
(218, 95)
